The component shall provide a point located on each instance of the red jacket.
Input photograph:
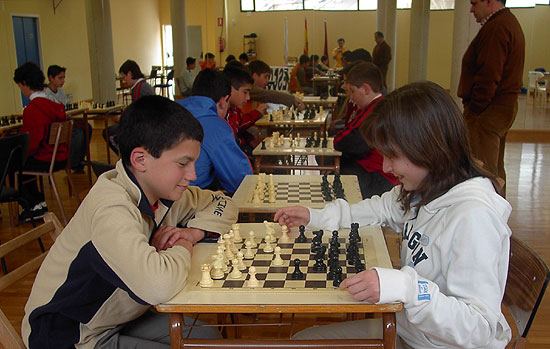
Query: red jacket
(352, 144)
(37, 118)
(240, 122)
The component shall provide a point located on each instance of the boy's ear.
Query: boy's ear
(138, 159)
(255, 76)
(366, 87)
(222, 105)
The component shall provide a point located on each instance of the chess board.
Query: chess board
(303, 193)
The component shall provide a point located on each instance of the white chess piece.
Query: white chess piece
(235, 273)
(271, 198)
(252, 282)
(268, 248)
(237, 231)
(251, 236)
(248, 254)
(206, 280)
(240, 257)
(256, 198)
(217, 271)
(284, 237)
(278, 260)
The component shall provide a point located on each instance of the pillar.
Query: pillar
(419, 35)
(386, 22)
(100, 46)
(179, 36)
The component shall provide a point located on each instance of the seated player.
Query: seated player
(123, 252)
(230, 58)
(221, 164)
(364, 86)
(54, 91)
(209, 62)
(453, 223)
(241, 83)
(298, 81)
(243, 58)
(185, 81)
(323, 66)
(37, 118)
(131, 74)
(261, 73)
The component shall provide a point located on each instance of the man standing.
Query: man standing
(381, 54)
(490, 80)
(338, 51)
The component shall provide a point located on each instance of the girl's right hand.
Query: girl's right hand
(292, 216)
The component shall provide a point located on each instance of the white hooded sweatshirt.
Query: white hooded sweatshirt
(454, 259)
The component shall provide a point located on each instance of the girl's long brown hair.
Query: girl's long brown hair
(423, 123)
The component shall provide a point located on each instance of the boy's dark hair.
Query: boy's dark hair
(314, 58)
(323, 58)
(360, 55)
(365, 72)
(209, 55)
(243, 56)
(379, 34)
(347, 56)
(131, 66)
(156, 124)
(259, 67)
(211, 84)
(30, 74)
(237, 75)
(55, 70)
(190, 60)
(303, 59)
(230, 58)
(422, 122)
(341, 39)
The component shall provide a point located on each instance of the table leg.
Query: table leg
(390, 333)
(257, 162)
(176, 321)
(337, 164)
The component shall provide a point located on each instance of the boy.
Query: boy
(221, 164)
(261, 73)
(209, 62)
(338, 52)
(243, 58)
(54, 92)
(37, 118)
(122, 252)
(298, 81)
(185, 82)
(364, 85)
(241, 83)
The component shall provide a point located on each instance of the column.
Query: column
(100, 46)
(179, 36)
(386, 22)
(418, 43)
(465, 28)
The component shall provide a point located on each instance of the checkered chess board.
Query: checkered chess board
(279, 278)
(302, 193)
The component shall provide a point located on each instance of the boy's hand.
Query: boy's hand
(185, 243)
(292, 216)
(262, 107)
(167, 236)
(364, 286)
(299, 104)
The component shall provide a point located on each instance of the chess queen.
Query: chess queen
(453, 223)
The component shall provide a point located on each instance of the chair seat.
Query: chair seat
(8, 194)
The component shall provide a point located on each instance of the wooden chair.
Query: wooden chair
(13, 153)
(528, 277)
(9, 338)
(60, 133)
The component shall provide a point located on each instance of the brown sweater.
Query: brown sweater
(492, 67)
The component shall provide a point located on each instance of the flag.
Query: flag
(286, 41)
(325, 50)
(305, 39)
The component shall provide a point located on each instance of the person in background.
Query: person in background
(338, 52)
(230, 58)
(38, 115)
(187, 77)
(54, 91)
(243, 58)
(298, 82)
(455, 237)
(222, 165)
(323, 65)
(209, 62)
(381, 54)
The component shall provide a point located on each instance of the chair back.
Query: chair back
(170, 75)
(533, 76)
(528, 277)
(13, 154)
(9, 338)
(154, 71)
(60, 133)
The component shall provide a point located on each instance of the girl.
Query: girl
(455, 239)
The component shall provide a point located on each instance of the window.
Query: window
(331, 5)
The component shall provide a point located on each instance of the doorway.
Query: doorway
(27, 48)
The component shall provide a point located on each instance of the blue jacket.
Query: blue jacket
(220, 155)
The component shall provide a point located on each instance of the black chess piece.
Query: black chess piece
(271, 117)
(301, 237)
(319, 266)
(263, 145)
(315, 245)
(338, 278)
(321, 253)
(297, 273)
(19, 119)
(12, 120)
(292, 117)
(324, 143)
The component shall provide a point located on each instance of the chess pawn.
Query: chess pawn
(252, 281)
(206, 280)
(251, 236)
(217, 271)
(235, 273)
(256, 199)
(248, 254)
(284, 237)
(278, 260)
(282, 140)
(268, 248)
(237, 232)
(240, 257)
(271, 198)
(228, 253)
